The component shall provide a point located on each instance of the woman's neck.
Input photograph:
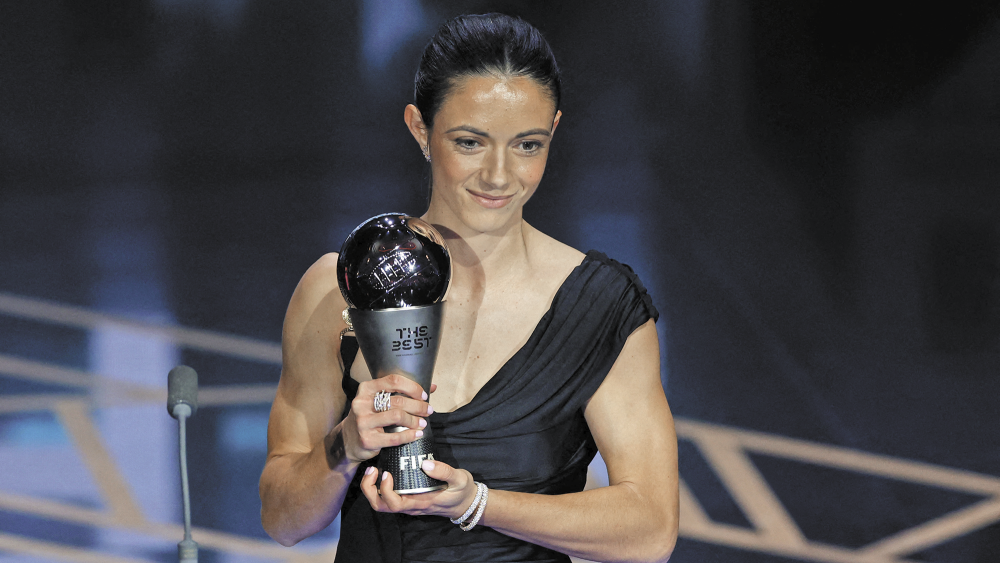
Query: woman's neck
(487, 256)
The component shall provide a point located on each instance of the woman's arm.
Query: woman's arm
(312, 454)
(636, 517)
(633, 519)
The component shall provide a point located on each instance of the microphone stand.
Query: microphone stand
(187, 549)
(182, 401)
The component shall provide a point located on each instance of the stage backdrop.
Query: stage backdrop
(808, 190)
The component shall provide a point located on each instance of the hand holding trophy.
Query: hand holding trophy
(393, 271)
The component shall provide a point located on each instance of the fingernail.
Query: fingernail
(422, 423)
(430, 409)
(427, 465)
(420, 433)
(385, 475)
(424, 396)
(370, 470)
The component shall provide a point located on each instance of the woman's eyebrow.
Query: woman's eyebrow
(538, 131)
(475, 131)
(470, 129)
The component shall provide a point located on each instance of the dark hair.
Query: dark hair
(482, 45)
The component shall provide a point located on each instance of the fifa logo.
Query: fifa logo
(413, 461)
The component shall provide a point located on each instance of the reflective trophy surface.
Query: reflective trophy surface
(393, 271)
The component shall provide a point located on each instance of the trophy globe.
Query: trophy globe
(393, 261)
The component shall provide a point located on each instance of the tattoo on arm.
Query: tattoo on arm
(337, 452)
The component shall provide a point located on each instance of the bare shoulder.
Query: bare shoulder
(309, 397)
(314, 319)
(317, 289)
(321, 277)
(550, 258)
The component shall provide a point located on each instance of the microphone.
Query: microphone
(182, 390)
(182, 402)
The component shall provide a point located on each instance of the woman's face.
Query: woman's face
(488, 150)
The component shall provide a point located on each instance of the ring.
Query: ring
(382, 401)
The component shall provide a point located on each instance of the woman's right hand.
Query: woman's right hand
(362, 429)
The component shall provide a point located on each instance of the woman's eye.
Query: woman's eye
(530, 146)
(467, 143)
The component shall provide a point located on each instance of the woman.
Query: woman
(547, 355)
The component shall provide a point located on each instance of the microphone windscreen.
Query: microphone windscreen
(182, 387)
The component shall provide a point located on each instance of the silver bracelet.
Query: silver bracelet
(472, 507)
(479, 511)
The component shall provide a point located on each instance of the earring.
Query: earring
(427, 154)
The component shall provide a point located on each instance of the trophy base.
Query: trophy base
(423, 490)
(403, 463)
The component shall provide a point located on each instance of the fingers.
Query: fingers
(370, 490)
(389, 496)
(380, 495)
(460, 484)
(452, 501)
(402, 411)
(391, 501)
(442, 472)
(395, 417)
(413, 406)
(395, 383)
(404, 389)
(407, 408)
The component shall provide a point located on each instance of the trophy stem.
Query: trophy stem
(405, 342)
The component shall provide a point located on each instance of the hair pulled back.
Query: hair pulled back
(482, 45)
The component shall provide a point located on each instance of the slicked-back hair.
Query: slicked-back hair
(482, 45)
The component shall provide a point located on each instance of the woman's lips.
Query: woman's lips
(490, 202)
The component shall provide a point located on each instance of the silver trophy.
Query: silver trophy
(394, 270)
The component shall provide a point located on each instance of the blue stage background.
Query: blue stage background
(808, 191)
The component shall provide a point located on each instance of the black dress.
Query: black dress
(524, 431)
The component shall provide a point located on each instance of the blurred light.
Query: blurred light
(32, 430)
(386, 25)
(244, 430)
(126, 248)
(686, 22)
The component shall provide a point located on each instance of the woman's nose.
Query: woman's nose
(495, 171)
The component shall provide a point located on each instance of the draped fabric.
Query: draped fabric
(523, 431)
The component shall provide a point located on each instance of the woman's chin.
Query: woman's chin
(468, 218)
(488, 221)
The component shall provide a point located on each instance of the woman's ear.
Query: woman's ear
(415, 123)
(555, 123)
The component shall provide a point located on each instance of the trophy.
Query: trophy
(393, 271)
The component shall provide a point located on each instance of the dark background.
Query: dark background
(809, 191)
